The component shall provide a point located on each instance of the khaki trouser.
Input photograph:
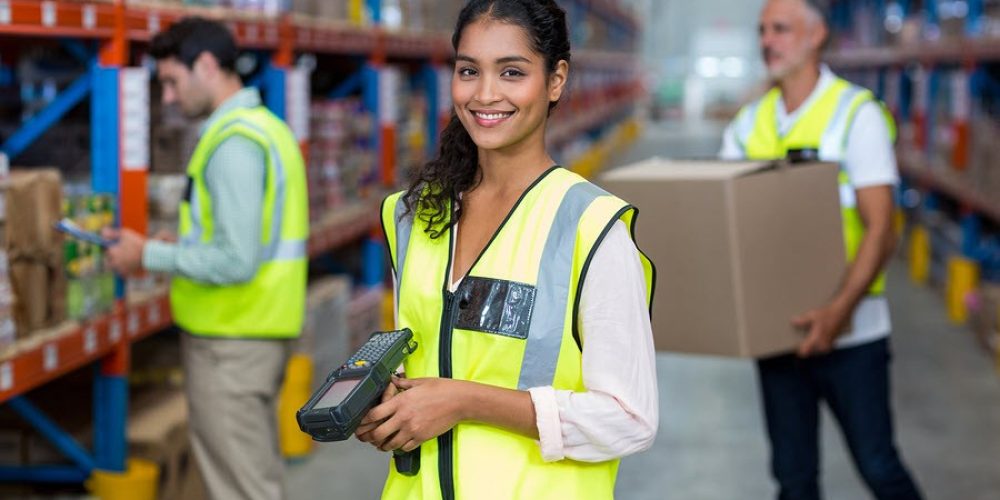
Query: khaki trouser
(232, 389)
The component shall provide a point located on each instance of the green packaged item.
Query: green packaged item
(75, 298)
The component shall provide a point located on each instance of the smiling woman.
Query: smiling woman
(511, 62)
(521, 282)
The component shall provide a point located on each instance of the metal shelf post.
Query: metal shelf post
(109, 176)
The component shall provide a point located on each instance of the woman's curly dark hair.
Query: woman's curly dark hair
(456, 168)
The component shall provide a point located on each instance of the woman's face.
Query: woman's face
(500, 89)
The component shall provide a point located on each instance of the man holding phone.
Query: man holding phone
(239, 267)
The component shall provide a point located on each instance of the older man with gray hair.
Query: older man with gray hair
(813, 113)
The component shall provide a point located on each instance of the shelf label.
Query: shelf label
(297, 102)
(153, 23)
(5, 12)
(89, 16)
(133, 323)
(6, 376)
(154, 314)
(961, 102)
(50, 357)
(90, 340)
(135, 118)
(389, 81)
(48, 14)
(115, 332)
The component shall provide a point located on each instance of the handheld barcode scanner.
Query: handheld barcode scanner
(337, 407)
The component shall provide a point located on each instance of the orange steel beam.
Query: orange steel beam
(114, 52)
(284, 56)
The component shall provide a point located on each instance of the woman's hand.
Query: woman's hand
(424, 409)
(368, 425)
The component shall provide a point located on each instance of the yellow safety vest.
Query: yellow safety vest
(824, 127)
(511, 323)
(272, 304)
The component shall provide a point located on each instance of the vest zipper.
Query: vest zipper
(446, 441)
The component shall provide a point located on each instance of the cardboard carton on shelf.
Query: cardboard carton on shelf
(739, 248)
(33, 202)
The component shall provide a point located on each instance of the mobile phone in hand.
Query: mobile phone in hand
(69, 227)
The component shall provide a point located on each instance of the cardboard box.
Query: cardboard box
(739, 249)
(158, 432)
(33, 201)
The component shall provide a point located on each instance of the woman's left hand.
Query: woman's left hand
(423, 410)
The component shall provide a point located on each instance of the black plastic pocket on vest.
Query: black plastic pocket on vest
(495, 306)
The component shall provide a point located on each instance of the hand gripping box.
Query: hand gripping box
(739, 247)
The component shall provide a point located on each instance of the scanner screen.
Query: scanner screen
(337, 393)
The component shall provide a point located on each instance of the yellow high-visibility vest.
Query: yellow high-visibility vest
(272, 304)
(512, 323)
(824, 127)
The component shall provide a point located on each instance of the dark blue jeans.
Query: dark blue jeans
(854, 382)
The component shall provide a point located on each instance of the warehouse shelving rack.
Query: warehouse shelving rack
(966, 54)
(119, 167)
(918, 68)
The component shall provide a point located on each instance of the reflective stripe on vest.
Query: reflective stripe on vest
(516, 331)
(273, 237)
(271, 304)
(825, 126)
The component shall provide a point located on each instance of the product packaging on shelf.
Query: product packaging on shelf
(342, 163)
(90, 285)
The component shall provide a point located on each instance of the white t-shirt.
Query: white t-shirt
(869, 161)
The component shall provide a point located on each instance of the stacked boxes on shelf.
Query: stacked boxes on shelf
(342, 161)
(33, 200)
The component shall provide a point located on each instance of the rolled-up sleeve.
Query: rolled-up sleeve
(618, 414)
